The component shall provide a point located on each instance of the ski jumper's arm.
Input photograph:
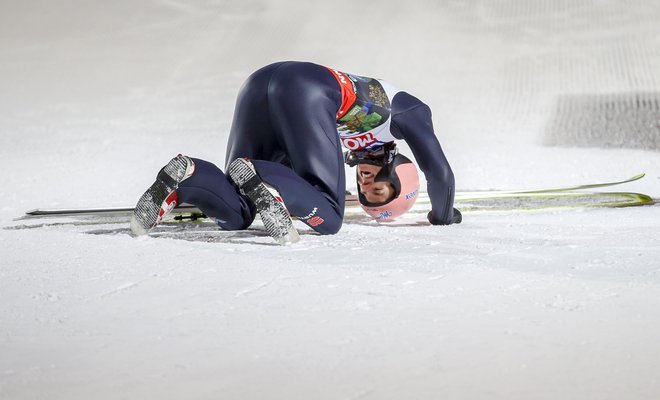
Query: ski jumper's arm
(411, 121)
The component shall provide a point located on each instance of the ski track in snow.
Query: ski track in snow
(547, 305)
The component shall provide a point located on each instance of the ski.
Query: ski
(109, 211)
(352, 199)
(502, 202)
(559, 189)
(543, 201)
(472, 201)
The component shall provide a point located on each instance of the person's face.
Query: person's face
(374, 192)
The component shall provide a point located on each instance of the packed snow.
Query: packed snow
(96, 97)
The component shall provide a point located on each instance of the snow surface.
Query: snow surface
(96, 97)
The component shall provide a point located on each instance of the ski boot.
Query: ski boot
(267, 201)
(161, 197)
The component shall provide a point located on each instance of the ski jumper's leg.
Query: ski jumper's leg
(212, 192)
(301, 104)
(303, 200)
(304, 99)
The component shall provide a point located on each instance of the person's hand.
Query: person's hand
(456, 219)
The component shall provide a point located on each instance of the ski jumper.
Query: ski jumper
(291, 120)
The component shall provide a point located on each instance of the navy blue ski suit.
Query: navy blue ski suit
(285, 122)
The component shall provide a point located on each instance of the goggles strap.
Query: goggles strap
(380, 156)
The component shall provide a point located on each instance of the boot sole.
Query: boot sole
(273, 213)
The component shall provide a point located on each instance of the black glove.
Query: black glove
(456, 219)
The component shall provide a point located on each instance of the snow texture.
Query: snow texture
(97, 96)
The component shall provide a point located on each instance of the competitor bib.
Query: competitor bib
(364, 118)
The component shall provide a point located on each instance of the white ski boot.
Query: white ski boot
(267, 201)
(161, 198)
